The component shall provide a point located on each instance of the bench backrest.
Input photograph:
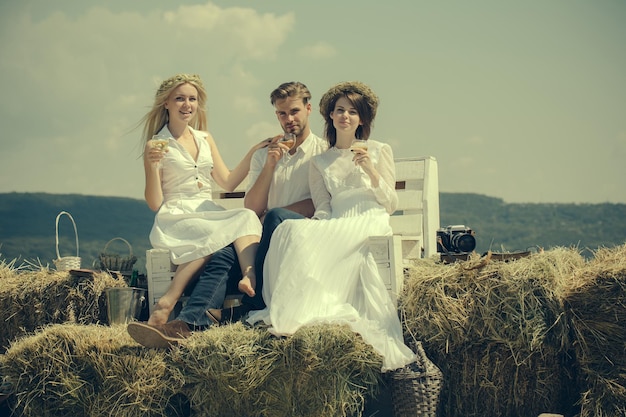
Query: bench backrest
(417, 184)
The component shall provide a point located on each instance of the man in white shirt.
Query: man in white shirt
(278, 190)
(279, 177)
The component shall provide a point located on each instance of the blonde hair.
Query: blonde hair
(157, 117)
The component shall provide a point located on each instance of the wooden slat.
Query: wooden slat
(410, 200)
(407, 224)
(409, 169)
(234, 194)
(412, 187)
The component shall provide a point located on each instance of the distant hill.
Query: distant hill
(509, 227)
(27, 225)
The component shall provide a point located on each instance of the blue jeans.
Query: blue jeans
(273, 218)
(211, 287)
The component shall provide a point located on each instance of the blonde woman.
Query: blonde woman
(178, 187)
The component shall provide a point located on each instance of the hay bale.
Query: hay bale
(224, 368)
(330, 370)
(30, 299)
(88, 370)
(322, 370)
(512, 338)
(596, 308)
(496, 330)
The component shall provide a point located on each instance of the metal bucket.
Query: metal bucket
(124, 304)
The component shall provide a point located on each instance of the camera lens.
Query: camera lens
(464, 242)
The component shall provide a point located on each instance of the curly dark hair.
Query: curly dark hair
(362, 98)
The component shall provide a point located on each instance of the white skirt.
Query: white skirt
(194, 228)
(322, 271)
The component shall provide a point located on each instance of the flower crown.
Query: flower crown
(179, 79)
(348, 87)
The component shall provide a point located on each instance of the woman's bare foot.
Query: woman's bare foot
(160, 315)
(247, 283)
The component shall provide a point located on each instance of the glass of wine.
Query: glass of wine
(358, 144)
(289, 139)
(160, 142)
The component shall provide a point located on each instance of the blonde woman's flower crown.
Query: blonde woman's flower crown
(179, 79)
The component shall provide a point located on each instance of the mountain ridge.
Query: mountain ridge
(27, 225)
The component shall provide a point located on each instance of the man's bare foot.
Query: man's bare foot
(160, 315)
(246, 285)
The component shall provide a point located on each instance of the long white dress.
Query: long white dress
(320, 270)
(189, 223)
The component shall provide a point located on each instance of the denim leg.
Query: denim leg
(273, 218)
(210, 289)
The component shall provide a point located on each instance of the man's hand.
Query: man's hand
(274, 151)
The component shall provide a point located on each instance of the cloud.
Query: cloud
(246, 104)
(319, 51)
(81, 83)
(254, 35)
(76, 78)
(263, 130)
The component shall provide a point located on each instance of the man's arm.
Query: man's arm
(256, 197)
(304, 207)
(262, 172)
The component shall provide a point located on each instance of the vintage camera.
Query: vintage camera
(455, 239)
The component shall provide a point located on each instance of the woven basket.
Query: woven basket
(415, 388)
(117, 262)
(67, 262)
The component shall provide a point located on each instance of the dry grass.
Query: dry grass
(596, 307)
(70, 369)
(31, 298)
(319, 371)
(89, 370)
(497, 330)
(546, 333)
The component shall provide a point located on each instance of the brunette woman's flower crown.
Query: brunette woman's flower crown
(329, 98)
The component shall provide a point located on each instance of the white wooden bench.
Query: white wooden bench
(414, 225)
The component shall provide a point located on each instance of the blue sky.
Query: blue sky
(524, 101)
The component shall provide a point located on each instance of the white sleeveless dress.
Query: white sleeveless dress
(189, 223)
(320, 270)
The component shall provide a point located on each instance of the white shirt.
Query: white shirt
(339, 188)
(290, 182)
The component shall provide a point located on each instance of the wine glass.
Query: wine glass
(289, 139)
(358, 144)
(160, 142)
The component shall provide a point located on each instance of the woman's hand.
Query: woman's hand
(153, 193)
(153, 154)
(362, 159)
(263, 144)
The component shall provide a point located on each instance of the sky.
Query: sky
(519, 100)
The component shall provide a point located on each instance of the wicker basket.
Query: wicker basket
(415, 388)
(117, 262)
(67, 262)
